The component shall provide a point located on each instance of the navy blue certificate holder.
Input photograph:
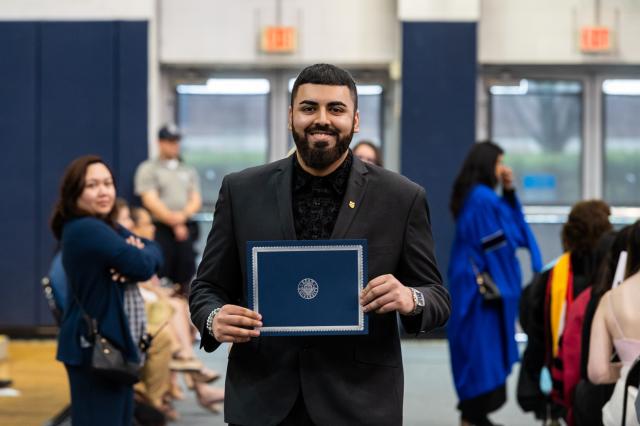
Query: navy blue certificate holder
(308, 287)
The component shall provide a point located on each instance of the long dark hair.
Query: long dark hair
(633, 250)
(71, 187)
(607, 268)
(478, 167)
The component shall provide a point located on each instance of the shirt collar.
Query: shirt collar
(337, 180)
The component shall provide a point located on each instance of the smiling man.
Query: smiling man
(320, 192)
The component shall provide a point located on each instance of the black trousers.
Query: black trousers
(476, 409)
(298, 416)
(588, 400)
(179, 256)
(98, 402)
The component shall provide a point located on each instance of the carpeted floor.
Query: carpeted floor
(41, 381)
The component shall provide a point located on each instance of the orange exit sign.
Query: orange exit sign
(279, 40)
(595, 39)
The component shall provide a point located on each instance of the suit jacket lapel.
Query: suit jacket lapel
(283, 194)
(356, 187)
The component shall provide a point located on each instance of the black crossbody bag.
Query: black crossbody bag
(107, 360)
(487, 288)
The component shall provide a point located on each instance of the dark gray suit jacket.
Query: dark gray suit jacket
(345, 380)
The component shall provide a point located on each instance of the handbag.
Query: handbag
(108, 361)
(486, 286)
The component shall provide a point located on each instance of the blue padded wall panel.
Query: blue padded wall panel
(18, 206)
(438, 114)
(77, 105)
(131, 104)
(68, 89)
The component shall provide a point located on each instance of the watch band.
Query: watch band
(210, 321)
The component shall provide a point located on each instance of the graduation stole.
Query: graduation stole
(559, 296)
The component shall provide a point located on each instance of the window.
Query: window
(621, 128)
(370, 106)
(539, 125)
(225, 126)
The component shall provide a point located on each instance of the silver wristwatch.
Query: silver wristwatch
(418, 302)
(210, 321)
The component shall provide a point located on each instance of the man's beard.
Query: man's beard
(319, 158)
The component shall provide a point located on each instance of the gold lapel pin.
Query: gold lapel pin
(352, 204)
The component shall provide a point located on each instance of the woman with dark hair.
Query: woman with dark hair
(616, 329)
(368, 152)
(481, 329)
(99, 257)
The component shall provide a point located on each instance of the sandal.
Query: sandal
(190, 365)
(205, 375)
(215, 408)
(212, 396)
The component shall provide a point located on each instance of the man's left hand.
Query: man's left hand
(181, 232)
(386, 294)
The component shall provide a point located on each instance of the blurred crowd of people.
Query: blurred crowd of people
(579, 312)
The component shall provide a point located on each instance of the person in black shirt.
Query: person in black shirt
(320, 192)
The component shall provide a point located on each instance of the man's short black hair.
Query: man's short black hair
(326, 74)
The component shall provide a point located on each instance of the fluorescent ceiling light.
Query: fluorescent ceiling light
(363, 89)
(520, 89)
(227, 86)
(369, 89)
(621, 87)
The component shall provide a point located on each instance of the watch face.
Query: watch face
(418, 297)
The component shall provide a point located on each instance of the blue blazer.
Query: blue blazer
(90, 248)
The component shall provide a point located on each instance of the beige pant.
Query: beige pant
(156, 376)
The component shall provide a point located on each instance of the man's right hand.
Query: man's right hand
(181, 232)
(506, 176)
(235, 324)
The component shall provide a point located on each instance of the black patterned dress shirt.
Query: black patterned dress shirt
(316, 200)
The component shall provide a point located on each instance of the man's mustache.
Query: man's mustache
(320, 128)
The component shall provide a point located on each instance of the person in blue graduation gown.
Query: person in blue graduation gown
(94, 248)
(489, 229)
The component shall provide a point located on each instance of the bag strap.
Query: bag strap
(476, 271)
(92, 323)
(614, 316)
(163, 325)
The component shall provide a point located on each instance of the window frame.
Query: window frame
(585, 154)
(600, 78)
(592, 76)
